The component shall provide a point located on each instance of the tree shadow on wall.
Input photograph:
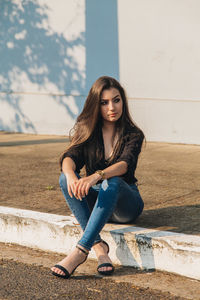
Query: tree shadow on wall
(30, 49)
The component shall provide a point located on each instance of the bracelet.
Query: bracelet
(101, 173)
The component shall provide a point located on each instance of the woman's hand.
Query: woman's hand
(83, 185)
(72, 181)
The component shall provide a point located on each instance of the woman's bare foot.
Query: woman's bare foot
(70, 262)
(101, 251)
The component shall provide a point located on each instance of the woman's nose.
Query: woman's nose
(111, 105)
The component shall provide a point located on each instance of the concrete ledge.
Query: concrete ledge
(130, 245)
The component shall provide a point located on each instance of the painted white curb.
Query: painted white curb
(130, 245)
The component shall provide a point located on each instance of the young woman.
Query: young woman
(107, 142)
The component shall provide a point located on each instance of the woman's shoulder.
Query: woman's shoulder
(134, 132)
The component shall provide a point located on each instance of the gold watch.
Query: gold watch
(101, 173)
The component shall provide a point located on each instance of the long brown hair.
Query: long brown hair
(89, 123)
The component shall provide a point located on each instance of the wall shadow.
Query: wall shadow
(101, 40)
(179, 219)
(32, 50)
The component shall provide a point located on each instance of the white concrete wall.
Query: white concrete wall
(51, 53)
(159, 55)
(43, 58)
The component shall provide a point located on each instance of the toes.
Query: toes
(105, 269)
(57, 271)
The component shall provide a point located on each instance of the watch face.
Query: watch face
(102, 174)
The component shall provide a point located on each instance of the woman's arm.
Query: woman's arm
(117, 169)
(72, 161)
(68, 168)
(84, 184)
(68, 165)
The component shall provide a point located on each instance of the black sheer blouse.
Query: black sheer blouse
(129, 151)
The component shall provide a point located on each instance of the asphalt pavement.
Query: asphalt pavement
(25, 274)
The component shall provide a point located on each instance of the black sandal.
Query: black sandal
(108, 272)
(67, 274)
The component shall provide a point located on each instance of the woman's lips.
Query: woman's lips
(113, 115)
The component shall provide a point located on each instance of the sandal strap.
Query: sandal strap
(104, 242)
(97, 242)
(108, 272)
(62, 269)
(83, 250)
(105, 265)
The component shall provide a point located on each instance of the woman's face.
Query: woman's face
(111, 105)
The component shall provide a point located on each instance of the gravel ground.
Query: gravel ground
(22, 281)
(25, 274)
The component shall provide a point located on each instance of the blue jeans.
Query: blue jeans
(113, 200)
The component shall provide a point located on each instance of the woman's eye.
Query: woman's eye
(117, 100)
(103, 102)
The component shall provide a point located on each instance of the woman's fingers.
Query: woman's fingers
(75, 190)
(81, 190)
(69, 190)
(87, 189)
(72, 189)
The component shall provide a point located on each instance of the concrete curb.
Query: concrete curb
(130, 245)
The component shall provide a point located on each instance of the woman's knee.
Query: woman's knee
(120, 219)
(111, 185)
(115, 181)
(128, 209)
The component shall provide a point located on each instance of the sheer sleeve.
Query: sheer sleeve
(132, 148)
(77, 155)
